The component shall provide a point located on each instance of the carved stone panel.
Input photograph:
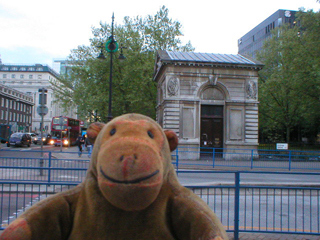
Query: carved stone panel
(173, 86)
(252, 90)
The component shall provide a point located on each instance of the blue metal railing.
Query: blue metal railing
(240, 207)
(263, 209)
(246, 158)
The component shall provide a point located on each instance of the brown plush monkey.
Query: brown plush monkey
(131, 191)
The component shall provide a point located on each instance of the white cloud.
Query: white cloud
(44, 30)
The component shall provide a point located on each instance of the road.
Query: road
(248, 178)
(186, 178)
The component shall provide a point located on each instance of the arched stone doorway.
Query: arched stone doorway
(212, 118)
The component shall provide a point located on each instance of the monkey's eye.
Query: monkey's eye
(113, 131)
(150, 134)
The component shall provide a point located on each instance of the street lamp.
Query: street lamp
(111, 47)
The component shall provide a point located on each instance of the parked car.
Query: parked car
(34, 137)
(46, 137)
(19, 139)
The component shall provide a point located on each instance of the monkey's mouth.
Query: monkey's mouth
(137, 180)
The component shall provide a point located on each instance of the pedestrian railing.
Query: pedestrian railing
(43, 169)
(45, 166)
(241, 207)
(246, 158)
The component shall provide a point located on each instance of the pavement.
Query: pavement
(71, 153)
(270, 236)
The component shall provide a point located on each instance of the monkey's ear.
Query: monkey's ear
(93, 131)
(172, 139)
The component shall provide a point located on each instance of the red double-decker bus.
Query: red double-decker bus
(65, 129)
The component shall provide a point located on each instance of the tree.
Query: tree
(133, 87)
(289, 84)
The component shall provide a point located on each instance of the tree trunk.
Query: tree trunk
(288, 134)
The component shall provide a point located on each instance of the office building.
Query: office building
(28, 79)
(251, 42)
(15, 109)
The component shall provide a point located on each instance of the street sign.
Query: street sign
(282, 146)
(112, 45)
(42, 110)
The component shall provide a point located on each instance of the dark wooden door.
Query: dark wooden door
(211, 127)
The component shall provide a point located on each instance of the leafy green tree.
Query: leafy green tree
(133, 88)
(290, 81)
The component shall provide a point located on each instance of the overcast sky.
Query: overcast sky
(37, 31)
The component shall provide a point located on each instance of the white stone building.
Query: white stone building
(209, 100)
(29, 79)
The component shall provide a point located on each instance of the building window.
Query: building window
(13, 76)
(39, 76)
(31, 76)
(4, 75)
(21, 76)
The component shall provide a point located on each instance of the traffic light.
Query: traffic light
(42, 96)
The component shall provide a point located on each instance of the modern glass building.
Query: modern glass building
(251, 42)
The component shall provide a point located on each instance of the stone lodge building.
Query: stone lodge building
(209, 100)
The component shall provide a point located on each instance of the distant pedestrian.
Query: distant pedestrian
(89, 146)
(80, 142)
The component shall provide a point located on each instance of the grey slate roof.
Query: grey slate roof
(206, 58)
(27, 68)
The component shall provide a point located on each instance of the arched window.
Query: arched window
(212, 94)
